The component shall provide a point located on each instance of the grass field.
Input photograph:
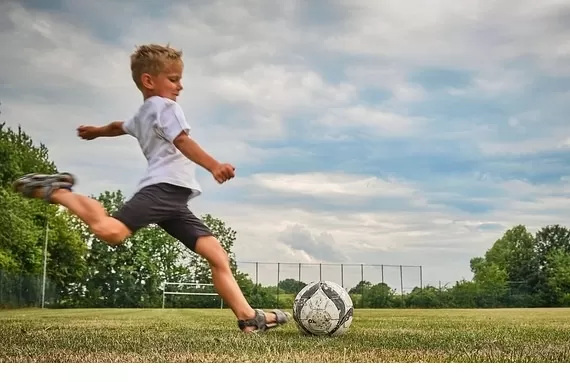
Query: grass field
(187, 335)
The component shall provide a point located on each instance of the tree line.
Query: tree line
(519, 270)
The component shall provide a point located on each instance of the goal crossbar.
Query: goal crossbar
(197, 285)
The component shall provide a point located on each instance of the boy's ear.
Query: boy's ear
(146, 81)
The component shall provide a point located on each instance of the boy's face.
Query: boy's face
(166, 84)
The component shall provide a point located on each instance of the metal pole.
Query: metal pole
(256, 273)
(401, 282)
(320, 272)
(278, 277)
(421, 278)
(382, 270)
(299, 285)
(362, 285)
(342, 275)
(45, 264)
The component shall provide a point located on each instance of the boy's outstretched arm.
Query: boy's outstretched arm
(113, 129)
(192, 150)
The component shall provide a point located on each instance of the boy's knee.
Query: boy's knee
(111, 231)
(211, 249)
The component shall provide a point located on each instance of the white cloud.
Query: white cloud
(370, 120)
(470, 34)
(273, 88)
(315, 246)
(558, 140)
(332, 185)
(494, 83)
(392, 79)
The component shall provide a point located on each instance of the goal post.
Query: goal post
(198, 286)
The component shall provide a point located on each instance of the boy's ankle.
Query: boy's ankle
(59, 193)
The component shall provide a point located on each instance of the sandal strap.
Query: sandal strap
(259, 321)
(28, 184)
(282, 318)
(51, 187)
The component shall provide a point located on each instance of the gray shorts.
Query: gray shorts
(167, 206)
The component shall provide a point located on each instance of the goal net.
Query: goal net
(190, 295)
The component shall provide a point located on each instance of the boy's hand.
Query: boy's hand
(88, 132)
(223, 172)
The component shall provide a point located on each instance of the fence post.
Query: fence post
(278, 277)
(299, 285)
(45, 264)
(401, 283)
(362, 285)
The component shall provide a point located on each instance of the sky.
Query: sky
(401, 133)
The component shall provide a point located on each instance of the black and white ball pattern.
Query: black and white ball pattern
(323, 308)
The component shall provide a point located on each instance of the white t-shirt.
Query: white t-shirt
(155, 125)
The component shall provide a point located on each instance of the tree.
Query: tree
(508, 274)
(291, 285)
(551, 244)
(23, 221)
(427, 297)
(465, 294)
(19, 155)
(492, 282)
(66, 265)
(361, 287)
(379, 296)
(557, 276)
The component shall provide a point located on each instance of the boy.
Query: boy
(163, 193)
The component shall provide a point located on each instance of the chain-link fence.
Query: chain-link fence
(276, 285)
(21, 291)
(401, 277)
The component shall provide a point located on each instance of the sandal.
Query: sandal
(260, 323)
(28, 184)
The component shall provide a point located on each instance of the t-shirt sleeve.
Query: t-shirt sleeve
(129, 125)
(171, 121)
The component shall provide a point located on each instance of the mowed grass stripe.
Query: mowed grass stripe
(211, 335)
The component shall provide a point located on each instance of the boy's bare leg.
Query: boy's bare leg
(92, 213)
(224, 281)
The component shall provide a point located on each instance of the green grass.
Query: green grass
(187, 335)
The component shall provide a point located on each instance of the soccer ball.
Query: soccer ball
(323, 309)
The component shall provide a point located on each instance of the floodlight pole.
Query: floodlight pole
(45, 263)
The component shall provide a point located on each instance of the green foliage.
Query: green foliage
(23, 221)
(428, 297)
(557, 276)
(291, 285)
(360, 287)
(513, 255)
(19, 155)
(66, 266)
(379, 296)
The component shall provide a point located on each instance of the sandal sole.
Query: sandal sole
(34, 180)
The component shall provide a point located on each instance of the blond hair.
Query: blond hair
(152, 59)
